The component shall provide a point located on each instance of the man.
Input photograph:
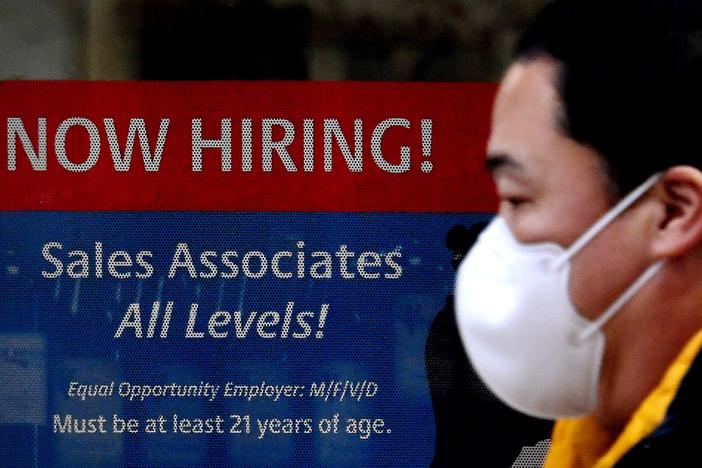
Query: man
(598, 326)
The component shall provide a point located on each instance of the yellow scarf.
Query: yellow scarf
(581, 443)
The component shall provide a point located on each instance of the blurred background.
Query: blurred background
(390, 40)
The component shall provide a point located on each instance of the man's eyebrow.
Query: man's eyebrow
(497, 161)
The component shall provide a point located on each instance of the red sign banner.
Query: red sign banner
(244, 146)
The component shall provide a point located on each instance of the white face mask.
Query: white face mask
(522, 333)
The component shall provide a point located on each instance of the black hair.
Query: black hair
(630, 80)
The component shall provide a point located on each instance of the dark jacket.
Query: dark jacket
(677, 441)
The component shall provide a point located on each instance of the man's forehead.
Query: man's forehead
(525, 114)
(529, 83)
(513, 77)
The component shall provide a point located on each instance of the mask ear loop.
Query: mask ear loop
(616, 305)
(590, 233)
(596, 228)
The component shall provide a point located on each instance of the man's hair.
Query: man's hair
(630, 80)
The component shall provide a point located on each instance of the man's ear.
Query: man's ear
(679, 227)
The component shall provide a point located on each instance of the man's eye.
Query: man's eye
(514, 202)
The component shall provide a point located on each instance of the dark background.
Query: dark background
(402, 40)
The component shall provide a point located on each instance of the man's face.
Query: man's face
(552, 188)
